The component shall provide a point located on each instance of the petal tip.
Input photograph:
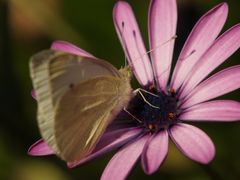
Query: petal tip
(224, 7)
(210, 157)
(39, 148)
(120, 4)
(199, 146)
(70, 165)
(154, 152)
(206, 161)
(119, 7)
(33, 94)
(56, 43)
(30, 151)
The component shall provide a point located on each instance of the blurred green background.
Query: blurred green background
(27, 27)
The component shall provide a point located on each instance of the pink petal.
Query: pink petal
(132, 43)
(40, 148)
(162, 19)
(221, 49)
(219, 84)
(202, 36)
(154, 152)
(123, 161)
(33, 93)
(108, 142)
(218, 110)
(70, 48)
(193, 142)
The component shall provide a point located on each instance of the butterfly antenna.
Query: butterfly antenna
(141, 55)
(134, 117)
(125, 57)
(148, 92)
(126, 54)
(160, 75)
(151, 50)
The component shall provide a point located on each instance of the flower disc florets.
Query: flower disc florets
(157, 111)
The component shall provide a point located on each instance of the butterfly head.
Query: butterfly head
(126, 73)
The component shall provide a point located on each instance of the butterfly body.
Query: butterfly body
(78, 97)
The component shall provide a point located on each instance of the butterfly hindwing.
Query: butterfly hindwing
(58, 78)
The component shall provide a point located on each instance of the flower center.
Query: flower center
(154, 111)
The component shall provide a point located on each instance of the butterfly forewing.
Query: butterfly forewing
(75, 98)
(84, 113)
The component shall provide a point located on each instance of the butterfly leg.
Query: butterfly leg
(139, 90)
(134, 117)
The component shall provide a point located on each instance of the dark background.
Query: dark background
(27, 27)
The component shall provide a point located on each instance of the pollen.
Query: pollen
(171, 116)
(154, 119)
(152, 126)
(152, 88)
(172, 92)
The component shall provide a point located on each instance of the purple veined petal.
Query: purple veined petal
(154, 152)
(132, 43)
(123, 161)
(193, 142)
(218, 110)
(219, 84)
(40, 148)
(218, 52)
(109, 141)
(70, 48)
(162, 22)
(201, 37)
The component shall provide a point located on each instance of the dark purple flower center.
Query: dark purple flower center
(155, 112)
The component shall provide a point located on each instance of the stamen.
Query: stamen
(152, 126)
(172, 92)
(171, 116)
(152, 87)
(155, 111)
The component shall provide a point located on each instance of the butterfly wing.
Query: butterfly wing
(84, 113)
(56, 75)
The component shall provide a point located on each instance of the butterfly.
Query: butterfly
(78, 97)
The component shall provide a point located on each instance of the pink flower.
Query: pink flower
(186, 96)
